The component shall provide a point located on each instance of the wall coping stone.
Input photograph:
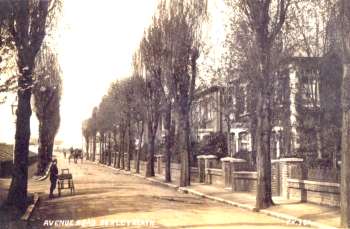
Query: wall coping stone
(232, 159)
(207, 157)
(217, 172)
(320, 183)
(245, 174)
(290, 159)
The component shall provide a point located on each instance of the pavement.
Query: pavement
(295, 211)
(111, 198)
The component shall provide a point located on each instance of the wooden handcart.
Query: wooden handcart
(65, 181)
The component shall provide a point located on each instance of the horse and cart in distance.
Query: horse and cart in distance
(75, 154)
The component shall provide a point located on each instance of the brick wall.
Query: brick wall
(324, 193)
(245, 181)
(175, 170)
(216, 177)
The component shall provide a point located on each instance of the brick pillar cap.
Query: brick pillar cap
(291, 159)
(232, 159)
(207, 157)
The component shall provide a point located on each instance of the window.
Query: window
(309, 87)
(244, 140)
(279, 90)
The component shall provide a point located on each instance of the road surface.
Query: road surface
(106, 199)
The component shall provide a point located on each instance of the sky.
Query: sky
(95, 43)
(95, 47)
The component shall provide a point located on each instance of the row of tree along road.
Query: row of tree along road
(165, 76)
(262, 35)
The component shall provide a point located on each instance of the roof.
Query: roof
(205, 91)
(6, 152)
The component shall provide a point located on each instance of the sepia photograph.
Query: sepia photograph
(193, 114)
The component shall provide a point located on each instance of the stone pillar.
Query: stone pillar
(201, 168)
(237, 141)
(226, 170)
(159, 158)
(234, 162)
(285, 164)
(208, 163)
(276, 177)
(228, 167)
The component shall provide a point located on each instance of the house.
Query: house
(305, 110)
(206, 112)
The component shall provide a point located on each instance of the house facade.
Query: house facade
(305, 111)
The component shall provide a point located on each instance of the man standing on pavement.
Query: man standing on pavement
(53, 177)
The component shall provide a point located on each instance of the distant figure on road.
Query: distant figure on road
(53, 177)
(76, 156)
(71, 155)
(64, 153)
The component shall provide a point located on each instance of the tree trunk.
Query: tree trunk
(264, 192)
(119, 156)
(184, 131)
(87, 142)
(228, 136)
(43, 159)
(187, 88)
(345, 148)
(115, 149)
(50, 150)
(109, 149)
(122, 151)
(168, 143)
(91, 148)
(263, 134)
(138, 152)
(17, 194)
(319, 137)
(150, 151)
(94, 147)
(130, 145)
(101, 148)
(104, 149)
(150, 155)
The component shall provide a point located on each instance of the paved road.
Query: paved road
(106, 199)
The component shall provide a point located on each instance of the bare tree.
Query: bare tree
(151, 60)
(27, 26)
(139, 107)
(265, 27)
(47, 93)
(182, 22)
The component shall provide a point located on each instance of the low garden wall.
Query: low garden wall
(244, 181)
(289, 179)
(318, 192)
(175, 170)
(216, 177)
